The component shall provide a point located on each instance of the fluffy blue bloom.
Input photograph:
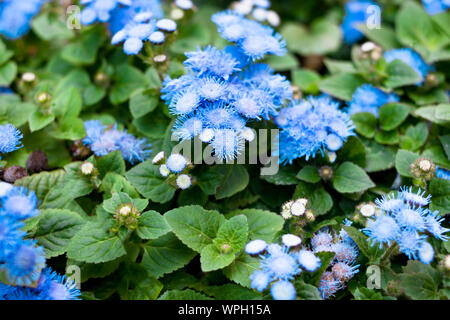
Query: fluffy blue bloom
(99, 10)
(345, 252)
(23, 266)
(311, 126)
(356, 13)
(426, 253)
(252, 38)
(343, 271)
(442, 173)
(19, 204)
(5, 90)
(138, 11)
(411, 58)
(328, 285)
(16, 15)
(103, 140)
(404, 219)
(283, 290)
(184, 4)
(10, 235)
(308, 260)
(176, 163)
(436, 6)
(133, 35)
(9, 138)
(368, 98)
(256, 246)
(53, 286)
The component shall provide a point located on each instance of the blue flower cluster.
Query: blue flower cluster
(412, 59)
(368, 98)
(342, 267)
(442, 173)
(436, 6)
(131, 21)
(279, 264)
(21, 260)
(252, 39)
(9, 138)
(311, 126)
(404, 219)
(357, 12)
(103, 140)
(224, 89)
(16, 15)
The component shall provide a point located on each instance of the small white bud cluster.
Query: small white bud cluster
(259, 10)
(295, 208)
(87, 168)
(183, 180)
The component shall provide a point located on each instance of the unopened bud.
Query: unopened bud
(43, 97)
(160, 58)
(87, 168)
(28, 77)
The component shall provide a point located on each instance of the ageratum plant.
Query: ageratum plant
(136, 138)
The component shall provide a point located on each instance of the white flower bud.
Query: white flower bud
(425, 165)
(87, 168)
(367, 210)
(164, 171)
(273, 18)
(184, 181)
(160, 156)
(125, 210)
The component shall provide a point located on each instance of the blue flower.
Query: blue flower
(411, 219)
(368, 98)
(102, 141)
(212, 62)
(16, 15)
(138, 11)
(321, 239)
(409, 243)
(166, 25)
(411, 58)
(9, 138)
(10, 235)
(184, 4)
(328, 285)
(176, 163)
(311, 126)
(256, 246)
(252, 38)
(157, 37)
(433, 225)
(53, 286)
(345, 252)
(133, 35)
(415, 199)
(442, 173)
(308, 260)
(383, 229)
(436, 6)
(24, 265)
(283, 290)
(426, 253)
(19, 204)
(99, 10)
(356, 13)
(260, 280)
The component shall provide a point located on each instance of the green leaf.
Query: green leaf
(415, 136)
(94, 244)
(209, 179)
(262, 224)
(401, 74)
(309, 174)
(339, 66)
(440, 190)
(55, 229)
(70, 129)
(145, 177)
(48, 27)
(360, 239)
(306, 80)
(8, 73)
(165, 255)
(367, 294)
(383, 36)
(112, 162)
(142, 103)
(387, 137)
(306, 291)
(341, 85)
(121, 198)
(151, 225)
(241, 268)
(233, 233)
(37, 120)
(350, 178)
(403, 161)
(378, 157)
(211, 258)
(325, 259)
(284, 177)
(84, 50)
(42, 182)
(365, 123)
(445, 141)
(235, 179)
(187, 294)
(195, 226)
(354, 151)
(320, 201)
(283, 63)
(434, 114)
(392, 115)
(128, 79)
(67, 104)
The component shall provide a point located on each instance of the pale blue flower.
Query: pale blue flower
(383, 229)
(308, 260)
(9, 138)
(256, 246)
(157, 37)
(19, 204)
(16, 16)
(283, 290)
(412, 59)
(133, 35)
(442, 173)
(426, 253)
(356, 13)
(167, 25)
(436, 6)
(184, 4)
(176, 163)
(368, 98)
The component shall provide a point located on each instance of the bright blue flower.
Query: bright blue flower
(411, 58)
(16, 15)
(368, 98)
(383, 229)
(157, 37)
(53, 286)
(308, 260)
(409, 243)
(356, 13)
(138, 11)
(9, 138)
(19, 204)
(133, 35)
(343, 271)
(176, 163)
(433, 225)
(328, 285)
(5, 90)
(10, 235)
(103, 140)
(24, 265)
(426, 253)
(260, 280)
(99, 10)
(252, 38)
(283, 290)
(184, 4)
(442, 173)
(390, 203)
(345, 252)
(411, 219)
(212, 62)
(436, 6)
(415, 199)
(306, 127)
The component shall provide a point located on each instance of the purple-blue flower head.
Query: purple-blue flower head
(99, 10)
(368, 98)
(16, 15)
(436, 6)
(9, 138)
(383, 229)
(19, 204)
(311, 126)
(357, 12)
(411, 58)
(53, 286)
(442, 173)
